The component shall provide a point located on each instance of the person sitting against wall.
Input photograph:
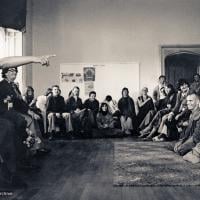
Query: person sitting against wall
(58, 119)
(106, 123)
(92, 104)
(127, 109)
(195, 85)
(113, 109)
(30, 99)
(112, 106)
(168, 126)
(169, 103)
(82, 118)
(144, 104)
(159, 93)
(159, 99)
(191, 136)
(41, 102)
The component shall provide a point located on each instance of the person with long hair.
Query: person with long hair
(127, 109)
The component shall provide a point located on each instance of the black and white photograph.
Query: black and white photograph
(100, 99)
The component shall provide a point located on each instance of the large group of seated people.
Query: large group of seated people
(171, 114)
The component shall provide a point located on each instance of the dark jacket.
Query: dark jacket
(72, 104)
(92, 105)
(193, 128)
(56, 104)
(127, 107)
(11, 90)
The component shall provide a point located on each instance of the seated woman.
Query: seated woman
(112, 106)
(169, 103)
(144, 104)
(113, 109)
(127, 109)
(30, 99)
(82, 118)
(28, 96)
(106, 123)
(92, 104)
(56, 113)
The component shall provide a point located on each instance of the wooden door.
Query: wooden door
(181, 66)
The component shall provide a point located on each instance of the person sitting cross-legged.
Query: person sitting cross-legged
(127, 109)
(152, 128)
(191, 136)
(92, 104)
(106, 124)
(82, 118)
(57, 117)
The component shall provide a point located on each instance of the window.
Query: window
(11, 45)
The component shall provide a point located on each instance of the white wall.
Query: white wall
(95, 31)
(106, 82)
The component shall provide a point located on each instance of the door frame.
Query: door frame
(166, 50)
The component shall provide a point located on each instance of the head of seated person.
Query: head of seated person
(48, 92)
(29, 94)
(193, 102)
(56, 91)
(10, 74)
(183, 86)
(162, 80)
(92, 96)
(125, 92)
(75, 92)
(104, 109)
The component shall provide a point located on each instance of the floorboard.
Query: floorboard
(83, 169)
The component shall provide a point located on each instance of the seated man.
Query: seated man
(82, 118)
(191, 135)
(159, 92)
(195, 85)
(56, 113)
(92, 104)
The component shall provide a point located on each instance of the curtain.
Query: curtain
(13, 14)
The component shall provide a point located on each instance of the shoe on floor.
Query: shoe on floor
(147, 139)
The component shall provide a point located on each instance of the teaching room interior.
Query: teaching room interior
(99, 99)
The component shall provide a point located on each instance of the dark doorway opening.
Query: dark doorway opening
(180, 61)
(181, 65)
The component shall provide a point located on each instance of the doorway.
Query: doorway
(180, 62)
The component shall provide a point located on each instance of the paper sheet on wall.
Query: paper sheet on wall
(109, 78)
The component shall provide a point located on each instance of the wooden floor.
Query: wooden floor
(83, 169)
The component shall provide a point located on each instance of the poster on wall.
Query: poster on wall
(72, 77)
(104, 78)
(89, 73)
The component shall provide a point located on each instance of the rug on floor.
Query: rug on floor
(151, 164)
